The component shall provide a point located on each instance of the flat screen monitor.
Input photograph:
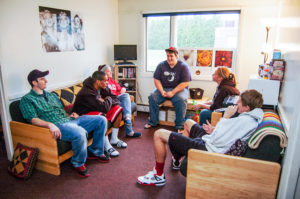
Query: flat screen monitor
(125, 52)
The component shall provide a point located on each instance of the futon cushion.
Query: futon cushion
(269, 150)
(67, 95)
(183, 167)
(15, 112)
(23, 161)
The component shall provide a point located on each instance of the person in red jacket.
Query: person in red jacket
(124, 98)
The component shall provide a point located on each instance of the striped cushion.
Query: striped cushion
(271, 125)
(67, 95)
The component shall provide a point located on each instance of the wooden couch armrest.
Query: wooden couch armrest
(215, 118)
(131, 98)
(29, 131)
(35, 136)
(213, 175)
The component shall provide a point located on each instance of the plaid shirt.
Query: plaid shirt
(46, 107)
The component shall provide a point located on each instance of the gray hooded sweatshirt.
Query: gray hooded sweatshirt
(228, 131)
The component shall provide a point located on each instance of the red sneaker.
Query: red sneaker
(82, 171)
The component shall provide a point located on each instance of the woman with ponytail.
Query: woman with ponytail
(226, 86)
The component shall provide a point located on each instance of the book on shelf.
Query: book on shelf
(127, 73)
(130, 73)
(124, 73)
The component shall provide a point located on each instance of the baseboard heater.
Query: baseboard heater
(143, 108)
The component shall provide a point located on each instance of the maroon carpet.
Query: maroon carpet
(116, 179)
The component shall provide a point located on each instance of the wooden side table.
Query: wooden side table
(167, 106)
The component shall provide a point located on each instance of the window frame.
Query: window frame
(172, 16)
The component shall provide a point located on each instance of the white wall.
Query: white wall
(252, 33)
(21, 47)
(289, 41)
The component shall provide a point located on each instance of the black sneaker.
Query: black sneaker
(102, 158)
(82, 171)
(176, 163)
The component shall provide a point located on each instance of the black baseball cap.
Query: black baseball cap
(172, 49)
(33, 75)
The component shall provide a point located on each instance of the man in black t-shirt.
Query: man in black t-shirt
(171, 79)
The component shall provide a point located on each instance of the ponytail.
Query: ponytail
(225, 73)
(232, 78)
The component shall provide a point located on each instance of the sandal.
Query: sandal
(119, 144)
(135, 135)
(148, 126)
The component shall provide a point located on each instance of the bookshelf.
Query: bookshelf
(126, 76)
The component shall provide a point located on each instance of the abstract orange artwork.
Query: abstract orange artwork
(204, 58)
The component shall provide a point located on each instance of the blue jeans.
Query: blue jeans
(126, 105)
(76, 132)
(179, 101)
(205, 114)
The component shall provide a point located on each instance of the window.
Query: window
(204, 39)
(158, 39)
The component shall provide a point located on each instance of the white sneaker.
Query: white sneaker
(119, 144)
(151, 179)
(112, 152)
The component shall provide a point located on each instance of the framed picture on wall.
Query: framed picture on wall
(204, 61)
(187, 55)
(204, 58)
(223, 58)
(61, 30)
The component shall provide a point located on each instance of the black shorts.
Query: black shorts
(179, 144)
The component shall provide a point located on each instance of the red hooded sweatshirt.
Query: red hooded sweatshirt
(114, 86)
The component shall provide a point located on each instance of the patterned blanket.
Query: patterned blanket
(271, 125)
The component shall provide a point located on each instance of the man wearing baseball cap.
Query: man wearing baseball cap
(171, 79)
(44, 109)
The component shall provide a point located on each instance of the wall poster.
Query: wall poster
(204, 61)
(61, 30)
(187, 56)
(204, 58)
(223, 58)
